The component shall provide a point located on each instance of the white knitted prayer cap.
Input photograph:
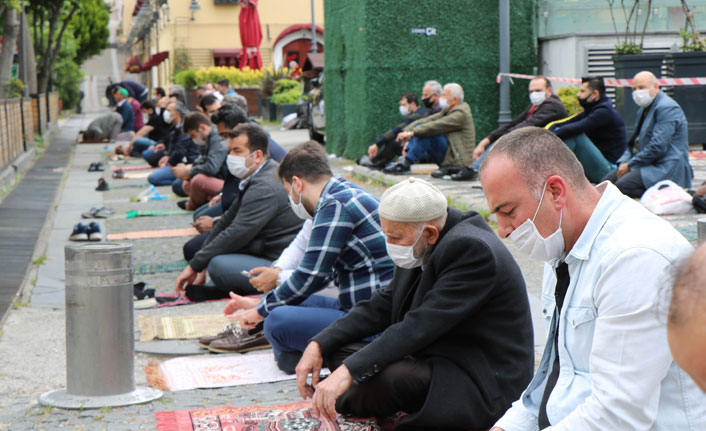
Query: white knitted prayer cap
(412, 200)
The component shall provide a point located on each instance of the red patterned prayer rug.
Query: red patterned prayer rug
(282, 417)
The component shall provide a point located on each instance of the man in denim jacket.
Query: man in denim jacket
(611, 257)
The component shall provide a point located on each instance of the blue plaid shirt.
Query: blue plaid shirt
(346, 245)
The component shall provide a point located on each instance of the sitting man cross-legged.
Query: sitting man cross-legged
(596, 135)
(660, 141)
(252, 232)
(446, 138)
(455, 346)
(346, 246)
(606, 364)
(544, 108)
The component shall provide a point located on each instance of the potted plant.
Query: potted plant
(284, 98)
(629, 58)
(690, 63)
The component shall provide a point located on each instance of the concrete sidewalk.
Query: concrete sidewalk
(32, 341)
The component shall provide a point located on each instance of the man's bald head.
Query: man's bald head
(686, 325)
(646, 80)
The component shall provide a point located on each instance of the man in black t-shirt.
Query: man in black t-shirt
(147, 140)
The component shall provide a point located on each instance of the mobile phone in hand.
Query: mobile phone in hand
(246, 274)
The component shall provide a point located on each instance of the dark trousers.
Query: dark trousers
(388, 153)
(193, 245)
(630, 184)
(401, 386)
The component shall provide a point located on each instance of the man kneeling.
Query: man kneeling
(455, 344)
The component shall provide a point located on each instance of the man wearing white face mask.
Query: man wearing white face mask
(252, 232)
(346, 246)
(660, 141)
(456, 339)
(544, 108)
(446, 138)
(607, 364)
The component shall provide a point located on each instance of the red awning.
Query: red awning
(154, 60)
(297, 27)
(227, 57)
(250, 35)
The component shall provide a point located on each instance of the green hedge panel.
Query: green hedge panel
(373, 57)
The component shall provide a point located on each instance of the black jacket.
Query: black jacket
(467, 312)
(181, 148)
(391, 134)
(551, 109)
(260, 222)
(603, 126)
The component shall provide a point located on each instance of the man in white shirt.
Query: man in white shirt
(614, 370)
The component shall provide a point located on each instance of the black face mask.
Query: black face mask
(584, 102)
(427, 102)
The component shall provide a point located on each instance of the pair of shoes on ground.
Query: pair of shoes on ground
(233, 338)
(81, 232)
(182, 204)
(102, 185)
(400, 168)
(139, 291)
(101, 212)
(96, 167)
(119, 174)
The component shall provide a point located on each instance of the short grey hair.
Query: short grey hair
(237, 100)
(538, 154)
(439, 223)
(434, 86)
(176, 88)
(455, 90)
(181, 109)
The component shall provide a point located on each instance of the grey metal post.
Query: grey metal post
(504, 114)
(701, 230)
(23, 53)
(314, 46)
(100, 343)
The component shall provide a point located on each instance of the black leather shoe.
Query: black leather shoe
(398, 169)
(444, 171)
(182, 204)
(465, 174)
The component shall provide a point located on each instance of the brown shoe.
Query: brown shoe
(205, 341)
(240, 340)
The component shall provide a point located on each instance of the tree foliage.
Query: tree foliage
(90, 29)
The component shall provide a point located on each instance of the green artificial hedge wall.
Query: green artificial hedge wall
(373, 56)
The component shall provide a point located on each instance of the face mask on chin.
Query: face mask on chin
(298, 208)
(529, 241)
(403, 255)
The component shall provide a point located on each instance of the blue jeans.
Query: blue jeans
(476, 165)
(289, 328)
(205, 210)
(178, 188)
(429, 149)
(162, 177)
(140, 145)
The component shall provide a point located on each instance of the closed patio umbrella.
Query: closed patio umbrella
(250, 35)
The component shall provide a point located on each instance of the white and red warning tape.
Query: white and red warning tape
(611, 82)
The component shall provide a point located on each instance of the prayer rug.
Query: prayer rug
(215, 371)
(129, 186)
(690, 232)
(697, 155)
(180, 327)
(165, 233)
(156, 213)
(133, 168)
(283, 417)
(154, 268)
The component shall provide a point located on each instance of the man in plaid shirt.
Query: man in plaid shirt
(346, 247)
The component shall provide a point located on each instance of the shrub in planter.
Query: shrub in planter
(286, 92)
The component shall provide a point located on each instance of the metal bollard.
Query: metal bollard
(701, 230)
(100, 343)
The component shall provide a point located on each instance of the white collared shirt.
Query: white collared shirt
(294, 253)
(616, 370)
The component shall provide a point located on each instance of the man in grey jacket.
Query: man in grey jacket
(257, 227)
(204, 179)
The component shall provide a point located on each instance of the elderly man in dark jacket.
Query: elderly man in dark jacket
(257, 227)
(455, 344)
(544, 108)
